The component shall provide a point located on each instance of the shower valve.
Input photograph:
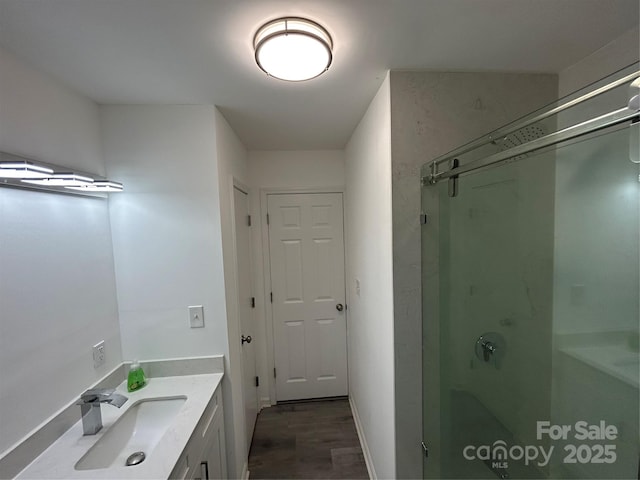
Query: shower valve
(490, 348)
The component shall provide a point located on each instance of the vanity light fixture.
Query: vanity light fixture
(100, 186)
(293, 49)
(66, 179)
(22, 172)
(23, 169)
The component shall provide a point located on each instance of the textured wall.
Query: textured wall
(431, 114)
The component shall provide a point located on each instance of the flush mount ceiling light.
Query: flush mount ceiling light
(293, 49)
(62, 180)
(100, 186)
(23, 170)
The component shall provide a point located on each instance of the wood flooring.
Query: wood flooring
(315, 439)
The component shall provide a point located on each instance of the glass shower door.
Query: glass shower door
(531, 310)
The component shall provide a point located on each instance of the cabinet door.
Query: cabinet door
(214, 461)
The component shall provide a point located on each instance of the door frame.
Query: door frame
(266, 270)
(238, 185)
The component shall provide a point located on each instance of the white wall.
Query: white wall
(232, 164)
(57, 284)
(280, 170)
(297, 168)
(166, 228)
(614, 56)
(369, 258)
(167, 236)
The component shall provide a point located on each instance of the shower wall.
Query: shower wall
(432, 113)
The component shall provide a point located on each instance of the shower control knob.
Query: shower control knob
(339, 307)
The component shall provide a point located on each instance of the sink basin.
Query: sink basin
(139, 429)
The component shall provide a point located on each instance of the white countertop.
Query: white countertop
(59, 459)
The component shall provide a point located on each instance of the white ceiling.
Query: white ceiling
(200, 52)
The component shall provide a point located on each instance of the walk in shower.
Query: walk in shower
(530, 258)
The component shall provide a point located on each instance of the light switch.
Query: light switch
(196, 316)
(358, 286)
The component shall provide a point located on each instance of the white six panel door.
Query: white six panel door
(307, 279)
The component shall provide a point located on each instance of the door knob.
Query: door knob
(339, 307)
(244, 339)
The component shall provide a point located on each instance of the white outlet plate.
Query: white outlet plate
(196, 316)
(358, 286)
(98, 354)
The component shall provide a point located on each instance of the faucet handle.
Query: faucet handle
(94, 394)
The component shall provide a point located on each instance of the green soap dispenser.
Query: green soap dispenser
(136, 379)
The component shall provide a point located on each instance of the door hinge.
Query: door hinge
(257, 381)
(426, 450)
(271, 296)
(267, 219)
(249, 220)
(423, 219)
(253, 302)
(274, 372)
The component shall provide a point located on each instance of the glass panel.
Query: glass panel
(540, 122)
(531, 312)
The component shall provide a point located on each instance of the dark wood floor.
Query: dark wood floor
(307, 440)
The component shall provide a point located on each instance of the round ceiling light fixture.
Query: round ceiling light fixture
(293, 49)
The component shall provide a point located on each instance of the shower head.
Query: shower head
(519, 137)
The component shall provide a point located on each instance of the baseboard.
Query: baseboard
(265, 402)
(363, 441)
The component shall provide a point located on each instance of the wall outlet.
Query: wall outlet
(357, 286)
(196, 316)
(98, 354)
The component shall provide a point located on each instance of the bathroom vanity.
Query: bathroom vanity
(175, 421)
(204, 456)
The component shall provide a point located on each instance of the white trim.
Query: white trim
(245, 471)
(240, 186)
(277, 190)
(363, 441)
(264, 402)
(266, 273)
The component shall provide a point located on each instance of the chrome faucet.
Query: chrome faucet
(90, 407)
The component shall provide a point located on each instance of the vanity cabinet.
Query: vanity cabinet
(204, 457)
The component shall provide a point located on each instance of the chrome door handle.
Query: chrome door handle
(339, 307)
(246, 339)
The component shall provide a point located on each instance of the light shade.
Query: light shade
(100, 186)
(23, 170)
(293, 49)
(62, 180)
